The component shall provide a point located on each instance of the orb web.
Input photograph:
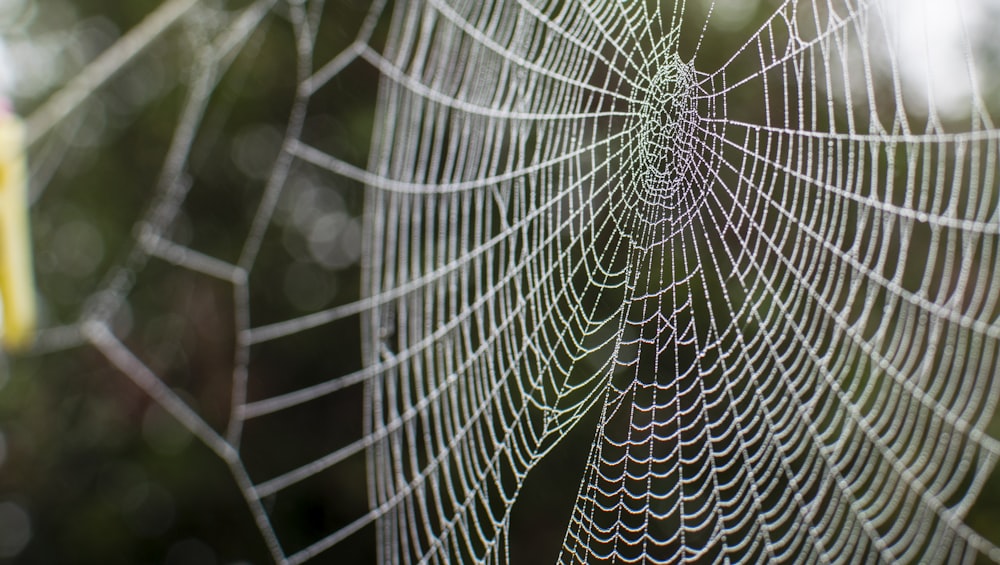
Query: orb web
(764, 260)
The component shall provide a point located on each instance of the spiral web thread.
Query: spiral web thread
(778, 288)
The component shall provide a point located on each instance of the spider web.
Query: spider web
(766, 262)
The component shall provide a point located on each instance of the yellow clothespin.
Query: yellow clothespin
(17, 286)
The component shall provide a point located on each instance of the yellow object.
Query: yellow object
(17, 287)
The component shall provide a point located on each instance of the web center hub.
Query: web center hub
(668, 120)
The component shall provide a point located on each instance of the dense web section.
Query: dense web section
(769, 266)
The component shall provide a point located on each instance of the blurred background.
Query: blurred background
(92, 470)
